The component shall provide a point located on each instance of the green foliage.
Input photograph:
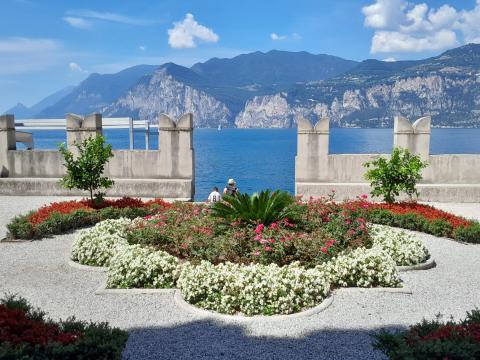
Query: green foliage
(85, 171)
(263, 208)
(470, 234)
(390, 177)
(96, 340)
(21, 228)
(431, 340)
(440, 227)
(58, 223)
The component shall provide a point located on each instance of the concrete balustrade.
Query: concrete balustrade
(449, 178)
(167, 172)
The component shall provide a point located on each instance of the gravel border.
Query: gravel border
(184, 305)
(76, 265)
(427, 265)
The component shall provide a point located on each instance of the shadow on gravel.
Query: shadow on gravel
(211, 340)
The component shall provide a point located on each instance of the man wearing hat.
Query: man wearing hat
(231, 188)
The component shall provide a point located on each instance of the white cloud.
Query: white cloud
(24, 55)
(402, 26)
(276, 37)
(142, 48)
(77, 22)
(77, 68)
(185, 33)
(390, 59)
(26, 45)
(108, 16)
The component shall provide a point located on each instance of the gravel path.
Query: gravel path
(161, 330)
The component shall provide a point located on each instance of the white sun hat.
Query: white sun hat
(231, 182)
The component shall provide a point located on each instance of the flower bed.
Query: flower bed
(425, 218)
(60, 217)
(434, 340)
(244, 268)
(25, 333)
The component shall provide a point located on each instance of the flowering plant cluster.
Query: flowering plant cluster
(434, 340)
(252, 289)
(25, 333)
(362, 268)
(134, 266)
(60, 217)
(17, 328)
(249, 288)
(97, 245)
(404, 249)
(426, 211)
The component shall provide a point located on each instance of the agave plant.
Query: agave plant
(265, 207)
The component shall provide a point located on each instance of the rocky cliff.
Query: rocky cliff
(162, 93)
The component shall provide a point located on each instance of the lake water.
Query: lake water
(265, 158)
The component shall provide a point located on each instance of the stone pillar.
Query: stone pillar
(79, 128)
(176, 147)
(415, 138)
(311, 162)
(7, 142)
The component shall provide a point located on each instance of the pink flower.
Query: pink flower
(256, 253)
(267, 248)
(259, 228)
(282, 240)
(263, 241)
(271, 241)
(324, 250)
(364, 196)
(348, 221)
(184, 246)
(257, 237)
(273, 226)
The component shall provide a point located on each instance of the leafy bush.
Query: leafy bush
(470, 234)
(390, 177)
(85, 171)
(263, 208)
(134, 266)
(405, 250)
(440, 227)
(25, 333)
(362, 268)
(252, 289)
(97, 245)
(431, 340)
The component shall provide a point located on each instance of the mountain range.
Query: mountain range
(272, 89)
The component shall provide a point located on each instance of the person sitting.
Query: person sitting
(214, 196)
(231, 188)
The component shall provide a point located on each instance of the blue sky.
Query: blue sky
(48, 44)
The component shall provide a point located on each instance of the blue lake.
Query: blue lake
(265, 158)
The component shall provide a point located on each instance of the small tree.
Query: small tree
(85, 171)
(400, 173)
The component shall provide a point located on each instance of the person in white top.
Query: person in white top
(214, 196)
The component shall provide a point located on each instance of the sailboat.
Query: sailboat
(219, 127)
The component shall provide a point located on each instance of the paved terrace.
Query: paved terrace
(159, 329)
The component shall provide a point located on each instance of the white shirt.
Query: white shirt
(214, 197)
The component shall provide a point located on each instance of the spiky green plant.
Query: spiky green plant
(265, 207)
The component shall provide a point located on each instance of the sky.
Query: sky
(46, 45)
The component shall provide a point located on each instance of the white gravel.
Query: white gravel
(161, 330)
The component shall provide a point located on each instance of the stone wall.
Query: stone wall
(168, 172)
(449, 178)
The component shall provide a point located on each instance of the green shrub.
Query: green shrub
(85, 171)
(21, 228)
(432, 340)
(470, 234)
(440, 227)
(263, 208)
(411, 222)
(390, 177)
